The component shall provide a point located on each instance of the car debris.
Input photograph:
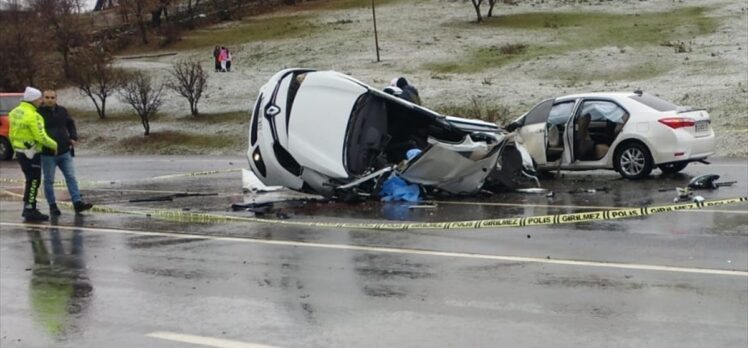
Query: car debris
(532, 190)
(169, 198)
(250, 183)
(423, 206)
(326, 133)
(708, 182)
(682, 194)
(589, 190)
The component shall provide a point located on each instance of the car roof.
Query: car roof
(597, 94)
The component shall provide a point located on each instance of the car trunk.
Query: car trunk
(703, 122)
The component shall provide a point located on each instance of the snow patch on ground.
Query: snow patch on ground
(713, 76)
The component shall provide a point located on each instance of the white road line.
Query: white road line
(601, 264)
(204, 341)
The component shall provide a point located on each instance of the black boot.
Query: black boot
(32, 215)
(54, 210)
(81, 206)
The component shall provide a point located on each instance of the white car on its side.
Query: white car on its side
(325, 132)
(628, 132)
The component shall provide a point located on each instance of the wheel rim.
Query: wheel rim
(3, 150)
(632, 161)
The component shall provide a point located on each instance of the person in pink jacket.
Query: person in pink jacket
(222, 57)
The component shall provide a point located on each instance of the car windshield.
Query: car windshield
(654, 102)
(9, 102)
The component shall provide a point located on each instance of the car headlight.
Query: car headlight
(259, 164)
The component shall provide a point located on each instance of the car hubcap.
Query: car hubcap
(632, 161)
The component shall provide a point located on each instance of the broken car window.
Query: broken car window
(604, 110)
(560, 113)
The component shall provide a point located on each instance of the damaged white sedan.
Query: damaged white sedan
(327, 133)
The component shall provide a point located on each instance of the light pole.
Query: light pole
(376, 38)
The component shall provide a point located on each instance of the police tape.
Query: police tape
(61, 183)
(556, 219)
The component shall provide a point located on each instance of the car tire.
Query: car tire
(672, 168)
(6, 151)
(633, 161)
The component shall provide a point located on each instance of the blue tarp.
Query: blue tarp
(397, 189)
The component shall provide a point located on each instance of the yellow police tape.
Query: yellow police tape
(614, 214)
(61, 183)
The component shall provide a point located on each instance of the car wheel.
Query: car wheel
(6, 151)
(672, 168)
(633, 161)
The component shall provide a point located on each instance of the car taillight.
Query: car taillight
(678, 122)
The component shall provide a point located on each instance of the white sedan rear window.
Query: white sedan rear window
(654, 102)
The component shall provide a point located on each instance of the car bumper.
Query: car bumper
(679, 146)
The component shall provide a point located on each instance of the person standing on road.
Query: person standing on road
(28, 137)
(61, 128)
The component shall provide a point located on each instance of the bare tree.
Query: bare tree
(21, 47)
(189, 79)
(65, 26)
(95, 78)
(476, 5)
(139, 93)
(491, 4)
(140, 9)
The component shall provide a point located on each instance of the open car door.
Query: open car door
(534, 132)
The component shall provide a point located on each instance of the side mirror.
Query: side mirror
(513, 126)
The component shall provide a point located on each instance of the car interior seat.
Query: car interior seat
(555, 145)
(583, 143)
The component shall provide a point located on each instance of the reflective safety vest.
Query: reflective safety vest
(27, 130)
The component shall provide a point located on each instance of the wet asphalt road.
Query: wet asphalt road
(113, 280)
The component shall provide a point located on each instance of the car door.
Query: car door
(600, 112)
(534, 132)
(555, 128)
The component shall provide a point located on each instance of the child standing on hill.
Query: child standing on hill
(228, 60)
(222, 58)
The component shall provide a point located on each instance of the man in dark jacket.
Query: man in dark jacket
(400, 87)
(60, 127)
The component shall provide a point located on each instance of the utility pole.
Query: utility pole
(376, 38)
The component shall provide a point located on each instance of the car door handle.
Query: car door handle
(540, 131)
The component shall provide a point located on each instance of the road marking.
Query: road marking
(600, 264)
(204, 341)
(531, 205)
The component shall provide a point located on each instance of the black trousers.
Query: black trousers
(32, 171)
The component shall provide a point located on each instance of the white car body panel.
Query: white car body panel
(323, 105)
